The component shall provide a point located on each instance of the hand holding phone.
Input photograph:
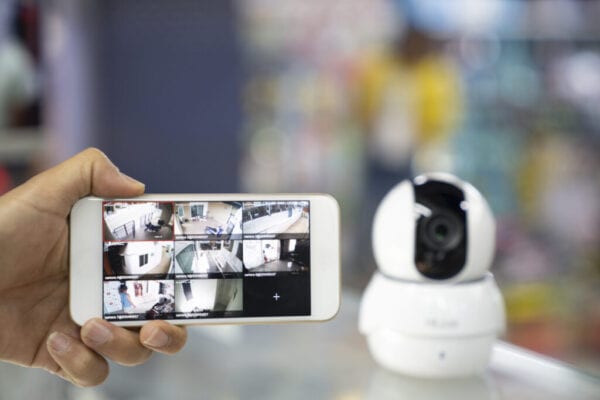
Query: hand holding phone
(197, 259)
(34, 291)
(37, 330)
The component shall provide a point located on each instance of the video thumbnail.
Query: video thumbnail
(289, 217)
(137, 258)
(208, 257)
(208, 218)
(125, 221)
(288, 255)
(136, 299)
(209, 295)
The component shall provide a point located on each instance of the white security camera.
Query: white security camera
(433, 309)
(434, 228)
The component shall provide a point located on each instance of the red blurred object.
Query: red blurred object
(543, 335)
(5, 180)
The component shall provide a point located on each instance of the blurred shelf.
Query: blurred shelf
(523, 36)
(18, 146)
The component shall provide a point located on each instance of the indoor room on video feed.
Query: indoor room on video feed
(285, 219)
(139, 299)
(148, 260)
(276, 237)
(208, 220)
(276, 256)
(138, 220)
(215, 298)
(208, 258)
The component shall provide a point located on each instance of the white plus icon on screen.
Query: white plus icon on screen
(276, 297)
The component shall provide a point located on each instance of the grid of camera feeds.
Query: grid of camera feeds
(205, 259)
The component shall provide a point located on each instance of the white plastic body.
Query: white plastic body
(432, 330)
(86, 247)
(394, 232)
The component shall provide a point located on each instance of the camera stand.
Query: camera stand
(435, 330)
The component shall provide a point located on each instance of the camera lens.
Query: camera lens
(442, 231)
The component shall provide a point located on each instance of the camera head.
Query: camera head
(435, 228)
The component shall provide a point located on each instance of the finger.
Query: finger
(89, 172)
(79, 364)
(119, 344)
(163, 337)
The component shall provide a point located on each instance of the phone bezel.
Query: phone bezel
(86, 276)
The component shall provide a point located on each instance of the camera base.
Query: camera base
(432, 329)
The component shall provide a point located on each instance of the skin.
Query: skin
(36, 329)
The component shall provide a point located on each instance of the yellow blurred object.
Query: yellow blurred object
(431, 82)
(534, 318)
(528, 301)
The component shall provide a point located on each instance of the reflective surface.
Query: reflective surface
(300, 361)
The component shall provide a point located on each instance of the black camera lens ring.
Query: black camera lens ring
(442, 231)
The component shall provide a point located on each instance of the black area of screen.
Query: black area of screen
(277, 288)
(280, 295)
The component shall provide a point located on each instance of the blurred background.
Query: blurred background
(344, 97)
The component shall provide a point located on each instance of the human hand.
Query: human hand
(35, 327)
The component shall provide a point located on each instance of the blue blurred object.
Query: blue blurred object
(156, 85)
(469, 16)
(169, 107)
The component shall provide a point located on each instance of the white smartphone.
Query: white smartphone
(205, 258)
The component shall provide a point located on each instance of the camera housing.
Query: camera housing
(434, 228)
(433, 309)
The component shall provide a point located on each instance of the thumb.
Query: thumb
(87, 173)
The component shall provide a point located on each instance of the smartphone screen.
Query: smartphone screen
(205, 259)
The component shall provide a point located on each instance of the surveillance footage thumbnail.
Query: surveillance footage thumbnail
(139, 299)
(138, 258)
(127, 221)
(207, 297)
(207, 219)
(278, 217)
(273, 255)
(216, 258)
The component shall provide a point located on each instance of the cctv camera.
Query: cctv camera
(433, 309)
(434, 228)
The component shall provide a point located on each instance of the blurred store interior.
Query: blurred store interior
(343, 97)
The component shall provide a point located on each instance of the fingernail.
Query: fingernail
(131, 180)
(59, 343)
(97, 334)
(157, 339)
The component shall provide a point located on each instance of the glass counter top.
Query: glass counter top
(303, 361)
